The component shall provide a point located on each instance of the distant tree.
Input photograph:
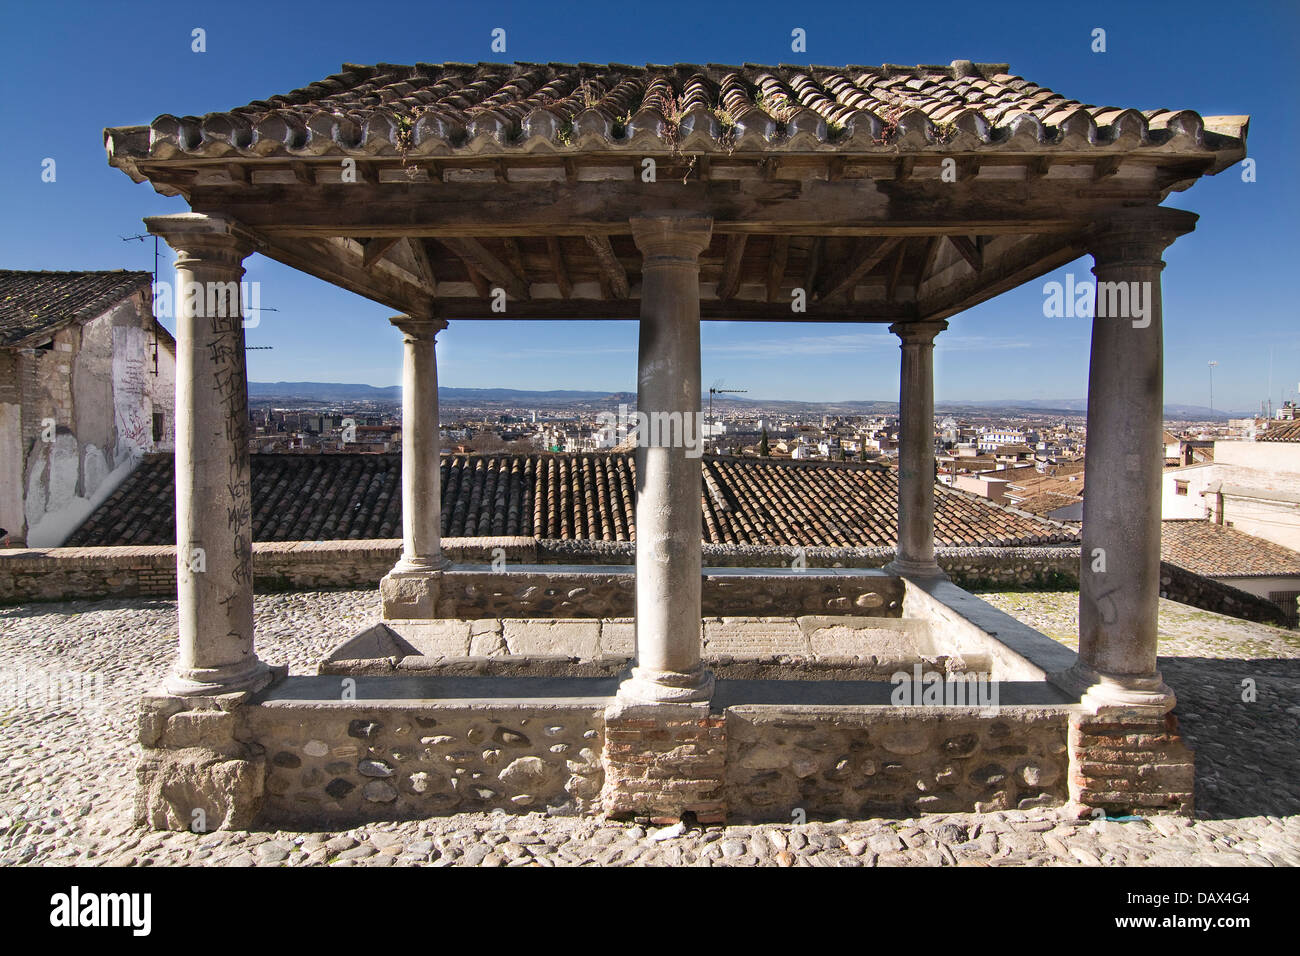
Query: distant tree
(763, 450)
(844, 453)
(862, 454)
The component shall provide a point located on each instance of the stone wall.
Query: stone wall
(228, 763)
(352, 764)
(888, 761)
(577, 592)
(57, 574)
(1179, 584)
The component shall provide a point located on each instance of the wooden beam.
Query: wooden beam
(815, 253)
(927, 261)
(1023, 263)
(514, 257)
(474, 254)
(969, 251)
(730, 280)
(850, 207)
(317, 257)
(302, 172)
(478, 280)
(867, 254)
(423, 264)
(737, 310)
(558, 267)
(776, 261)
(891, 284)
(610, 267)
(372, 250)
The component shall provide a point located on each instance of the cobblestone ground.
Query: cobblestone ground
(67, 782)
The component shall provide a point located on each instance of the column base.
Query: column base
(646, 686)
(915, 569)
(663, 761)
(1126, 755)
(248, 677)
(1146, 697)
(411, 589)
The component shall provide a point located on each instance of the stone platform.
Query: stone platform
(413, 719)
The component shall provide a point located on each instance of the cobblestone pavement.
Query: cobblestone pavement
(67, 782)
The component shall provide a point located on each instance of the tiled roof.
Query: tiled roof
(586, 497)
(33, 303)
(1214, 550)
(1285, 431)
(1047, 502)
(504, 108)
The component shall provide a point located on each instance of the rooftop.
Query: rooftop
(566, 497)
(437, 108)
(36, 304)
(1281, 431)
(1214, 550)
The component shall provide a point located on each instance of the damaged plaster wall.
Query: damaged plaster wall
(88, 416)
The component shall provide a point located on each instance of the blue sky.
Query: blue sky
(72, 69)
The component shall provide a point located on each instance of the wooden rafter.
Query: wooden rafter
(895, 271)
(814, 264)
(730, 281)
(610, 268)
(970, 250)
(558, 267)
(372, 250)
(423, 264)
(776, 261)
(474, 254)
(867, 254)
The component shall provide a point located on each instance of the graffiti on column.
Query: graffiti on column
(229, 382)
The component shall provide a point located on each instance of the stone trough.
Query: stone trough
(931, 700)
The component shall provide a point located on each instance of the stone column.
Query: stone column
(1119, 579)
(915, 554)
(1125, 753)
(668, 561)
(410, 590)
(214, 530)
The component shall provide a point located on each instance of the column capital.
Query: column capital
(213, 239)
(1138, 236)
(419, 326)
(918, 333)
(679, 236)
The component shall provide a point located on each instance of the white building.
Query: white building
(1253, 486)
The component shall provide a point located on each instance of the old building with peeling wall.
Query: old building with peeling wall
(87, 382)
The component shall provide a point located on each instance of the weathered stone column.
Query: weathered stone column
(410, 590)
(214, 529)
(1124, 698)
(668, 473)
(915, 554)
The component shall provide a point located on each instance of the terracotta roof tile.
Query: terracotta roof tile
(1282, 431)
(503, 108)
(34, 304)
(1203, 547)
(585, 497)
